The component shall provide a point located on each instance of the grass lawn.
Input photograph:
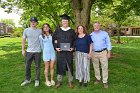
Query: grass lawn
(124, 71)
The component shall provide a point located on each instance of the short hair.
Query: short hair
(97, 23)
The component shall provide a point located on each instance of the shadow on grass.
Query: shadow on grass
(11, 46)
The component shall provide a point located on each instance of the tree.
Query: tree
(9, 22)
(51, 9)
(42, 9)
(119, 11)
(79, 9)
(123, 10)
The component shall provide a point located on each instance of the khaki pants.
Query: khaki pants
(102, 58)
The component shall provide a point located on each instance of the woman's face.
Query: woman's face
(46, 28)
(80, 30)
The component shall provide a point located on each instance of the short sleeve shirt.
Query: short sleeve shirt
(83, 44)
(32, 35)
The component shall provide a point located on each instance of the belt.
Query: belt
(101, 50)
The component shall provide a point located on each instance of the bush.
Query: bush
(17, 32)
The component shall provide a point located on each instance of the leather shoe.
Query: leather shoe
(80, 84)
(96, 82)
(85, 84)
(71, 85)
(58, 84)
(106, 85)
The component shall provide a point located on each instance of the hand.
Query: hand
(89, 56)
(55, 42)
(58, 49)
(71, 49)
(108, 55)
(23, 52)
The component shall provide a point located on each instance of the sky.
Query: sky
(14, 16)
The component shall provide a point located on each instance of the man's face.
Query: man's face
(65, 23)
(33, 23)
(96, 27)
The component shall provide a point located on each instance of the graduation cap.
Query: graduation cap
(65, 17)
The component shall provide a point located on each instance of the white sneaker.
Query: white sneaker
(52, 82)
(48, 83)
(25, 82)
(36, 83)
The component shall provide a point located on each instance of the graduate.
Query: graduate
(64, 34)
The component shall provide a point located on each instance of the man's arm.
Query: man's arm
(41, 42)
(55, 41)
(74, 41)
(23, 46)
(109, 47)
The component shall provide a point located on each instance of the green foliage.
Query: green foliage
(42, 9)
(17, 32)
(9, 22)
(101, 15)
(121, 12)
(118, 12)
(132, 21)
(124, 9)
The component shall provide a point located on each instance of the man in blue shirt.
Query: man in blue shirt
(101, 53)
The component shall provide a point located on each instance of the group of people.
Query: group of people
(96, 46)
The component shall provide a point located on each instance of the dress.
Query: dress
(47, 47)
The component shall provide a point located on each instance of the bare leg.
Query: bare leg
(46, 70)
(52, 69)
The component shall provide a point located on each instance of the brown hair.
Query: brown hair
(83, 29)
(43, 33)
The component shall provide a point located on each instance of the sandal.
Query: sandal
(52, 82)
(48, 83)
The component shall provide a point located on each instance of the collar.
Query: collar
(33, 28)
(65, 29)
(97, 32)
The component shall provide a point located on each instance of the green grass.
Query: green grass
(124, 71)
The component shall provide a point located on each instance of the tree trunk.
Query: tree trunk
(81, 10)
(118, 35)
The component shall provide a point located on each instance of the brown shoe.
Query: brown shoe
(106, 85)
(96, 82)
(58, 84)
(71, 85)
